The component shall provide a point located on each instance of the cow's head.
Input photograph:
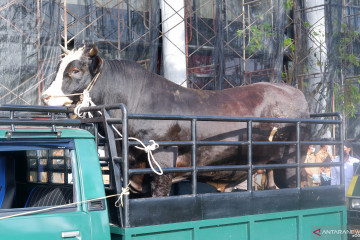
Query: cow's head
(75, 72)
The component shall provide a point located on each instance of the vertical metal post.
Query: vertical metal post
(298, 157)
(249, 140)
(225, 20)
(196, 23)
(65, 26)
(341, 130)
(296, 42)
(38, 22)
(244, 41)
(128, 12)
(118, 29)
(53, 128)
(38, 156)
(50, 166)
(115, 178)
(193, 157)
(125, 161)
(344, 66)
(12, 118)
(219, 45)
(96, 133)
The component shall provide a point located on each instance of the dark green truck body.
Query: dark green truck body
(52, 187)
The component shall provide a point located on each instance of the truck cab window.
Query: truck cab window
(36, 178)
(49, 166)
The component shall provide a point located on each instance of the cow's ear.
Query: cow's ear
(96, 63)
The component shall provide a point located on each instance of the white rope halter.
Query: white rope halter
(84, 102)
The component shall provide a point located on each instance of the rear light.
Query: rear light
(355, 203)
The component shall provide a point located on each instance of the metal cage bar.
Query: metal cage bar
(194, 169)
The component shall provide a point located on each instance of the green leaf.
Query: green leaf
(289, 4)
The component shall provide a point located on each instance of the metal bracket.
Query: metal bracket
(11, 134)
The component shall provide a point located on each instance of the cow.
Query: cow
(144, 92)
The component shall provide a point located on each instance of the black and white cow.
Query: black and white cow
(121, 81)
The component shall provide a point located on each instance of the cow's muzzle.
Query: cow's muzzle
(45, 98)
(56, 100)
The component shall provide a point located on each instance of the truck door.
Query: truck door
(41, 193)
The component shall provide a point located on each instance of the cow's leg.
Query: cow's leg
(270, 183)
(290, 174)
(286, 178)
(161, 185)
(166, 158)
(283, 178)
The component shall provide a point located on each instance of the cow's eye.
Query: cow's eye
(75, 71)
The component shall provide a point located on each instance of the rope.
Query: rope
(67, 95)
(93, 81)
(147, 149)
(125, 191)
(84, 102)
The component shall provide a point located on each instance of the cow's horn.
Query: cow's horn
(64, 49)
(93, 52)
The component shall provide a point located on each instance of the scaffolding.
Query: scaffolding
(228, 43)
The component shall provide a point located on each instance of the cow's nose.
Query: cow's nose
(45, 97)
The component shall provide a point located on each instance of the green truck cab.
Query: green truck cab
(54, 185)
(51, 172)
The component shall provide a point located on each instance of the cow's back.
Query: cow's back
(271, 100)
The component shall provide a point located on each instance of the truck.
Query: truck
(55, 184)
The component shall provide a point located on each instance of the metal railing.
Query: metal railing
(32, 115)
(194, 169)
(124, 172)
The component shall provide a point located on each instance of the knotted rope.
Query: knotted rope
(148, 150)
(85, 101)
(125, 191)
